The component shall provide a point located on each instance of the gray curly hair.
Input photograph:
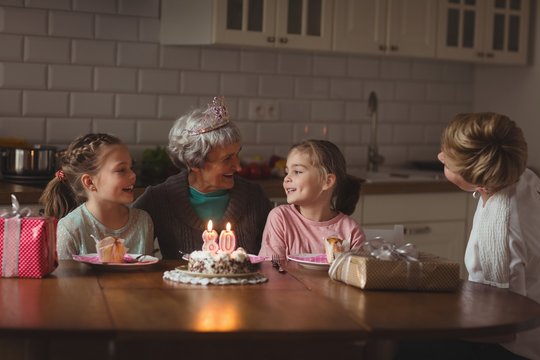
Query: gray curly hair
(190, 148)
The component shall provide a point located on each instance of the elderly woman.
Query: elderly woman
(207, 144)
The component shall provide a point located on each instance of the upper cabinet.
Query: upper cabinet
(295, 24)
(394, 27)
(494, 31)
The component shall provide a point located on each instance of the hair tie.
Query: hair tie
(60, 175)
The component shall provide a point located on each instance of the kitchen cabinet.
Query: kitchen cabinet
(393, 27)
(437, 223)
(491, 31)
(293, 24)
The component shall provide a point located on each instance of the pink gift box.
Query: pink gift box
(28, 246)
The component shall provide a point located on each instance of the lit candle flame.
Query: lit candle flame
(228, 226)
(209, 225)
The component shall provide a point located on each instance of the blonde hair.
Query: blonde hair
(486, 149)
(64, 193)
(328, 159)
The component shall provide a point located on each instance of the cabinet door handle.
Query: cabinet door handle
(490, 55)
(382, 47)
(481, 54)
(271, 39)
(420, 230)
(283, 40)
(394, 48)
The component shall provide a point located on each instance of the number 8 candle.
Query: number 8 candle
(210, 239)
(227, 240)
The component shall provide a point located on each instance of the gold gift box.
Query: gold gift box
(429, 273)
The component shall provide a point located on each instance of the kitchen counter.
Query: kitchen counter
(27, 194)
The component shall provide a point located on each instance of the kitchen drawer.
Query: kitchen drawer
(402, 208)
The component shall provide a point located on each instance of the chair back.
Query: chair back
(395, 235)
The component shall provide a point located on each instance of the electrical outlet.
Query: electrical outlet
(263, 110)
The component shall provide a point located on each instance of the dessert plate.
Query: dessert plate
(310, 261)
(183, 270)
(255, 259)
(130, 261)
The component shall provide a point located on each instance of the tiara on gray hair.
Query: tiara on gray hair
(215, 116)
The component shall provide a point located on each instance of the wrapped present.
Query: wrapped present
(27, 244)
(386, 266)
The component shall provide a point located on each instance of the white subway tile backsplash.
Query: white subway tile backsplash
(294, 64)
(363, 67)
(138, 54)
(23, 76)
(93, 52)
(92, 105)
(395, 69)
(10, 102)
(136, 106)
(294, 111)
(426, 70)
(100, 67)
(124, 129)
(408, 134)
(215, 59)
(410, 91)
(69, 24)
(329, 111)
(30, 128)
(46, 50)
(159, 81)
(394, 112)
(153, 132)
(385, 90)
(277, 86)
(45, 103)
(115, 79)
(149, 30)
(239, 84)
(424, 113)
(346, 89)
(139, 7)
(172, 107)
(70, 77)
(441, 92)
(180, 57)
(352, 134)
(310, 87)
(11, 47)
(200, 83)
(64, 130)
(95, 6)
(113, 27)
(268, 133)
(49, 4)
(23, 21)
(258, 61)
(329, 65)
(424, 152)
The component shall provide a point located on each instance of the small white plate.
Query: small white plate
(255, 259)
(311, 261)
(131, 262)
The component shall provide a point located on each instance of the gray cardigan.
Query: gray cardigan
(178, 228)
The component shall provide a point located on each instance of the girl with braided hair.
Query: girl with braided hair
(90, 195)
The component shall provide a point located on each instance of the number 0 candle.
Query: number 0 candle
(227, 240)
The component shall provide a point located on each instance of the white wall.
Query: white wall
(69, 67)
(515, 91)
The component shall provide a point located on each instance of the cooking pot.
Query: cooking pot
(36, 160)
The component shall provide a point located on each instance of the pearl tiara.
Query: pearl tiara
(214, 117)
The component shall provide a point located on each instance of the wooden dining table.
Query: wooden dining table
(80, 311)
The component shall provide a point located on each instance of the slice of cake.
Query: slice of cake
(334, 247)
(111, 250)
(204, 262)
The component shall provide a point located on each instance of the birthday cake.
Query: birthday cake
(220, 262)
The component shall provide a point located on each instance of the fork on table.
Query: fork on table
(276, 263)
